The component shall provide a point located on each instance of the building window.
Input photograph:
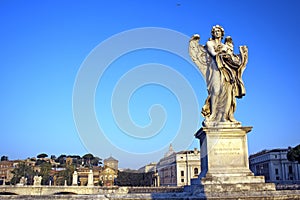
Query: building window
(257, 169)
(290, 169)
(196, 171)
(276, 171)
(182, 180)
(182, 173)
(277, 177)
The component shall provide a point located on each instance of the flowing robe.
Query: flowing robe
(223, 84)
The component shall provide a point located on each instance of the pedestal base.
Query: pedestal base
(229, 188)
(224, 161)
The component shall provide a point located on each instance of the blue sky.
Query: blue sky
(45, 45)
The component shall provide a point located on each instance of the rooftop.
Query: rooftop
(110, 158)
(265, 151)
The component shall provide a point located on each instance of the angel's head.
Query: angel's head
(228, 40)
(195, 37)
(217, 31)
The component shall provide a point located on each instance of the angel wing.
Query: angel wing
(244, 57)
(199, 55)
(244, 60)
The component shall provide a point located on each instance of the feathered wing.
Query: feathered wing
(244, 57)
(199, 56)
(203, 60)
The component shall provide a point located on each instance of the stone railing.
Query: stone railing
(51, 190)
(155, 189)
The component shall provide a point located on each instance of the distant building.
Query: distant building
(107, 176)
(109, 172)
(103, 176)
(6, 167)
(31, 162)
(111, 162)
(274, 165)
(83, 175)
(177, 169)
(151, 167)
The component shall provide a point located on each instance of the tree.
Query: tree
(4, 158)
(90, 160)
(96, 161)
(39, 162)
(76, 159)
(45, 172)
(66, 174)
(23, 170)
(87, 159)
(74, 156)
(293, 154)
(61, 159)
(42, 155)
(134, 179)
(88, 156)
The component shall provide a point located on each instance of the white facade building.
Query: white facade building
(177, 169)
(151, 167)
(274, 165)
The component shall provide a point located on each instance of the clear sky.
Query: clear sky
(114, 77)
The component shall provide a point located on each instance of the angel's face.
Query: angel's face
(217, 33)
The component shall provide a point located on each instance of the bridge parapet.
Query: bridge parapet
(81, 190)
(49, 190)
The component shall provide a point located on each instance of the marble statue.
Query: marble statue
(75, 178)
(23, 181)
(37, 180)
(222, 71)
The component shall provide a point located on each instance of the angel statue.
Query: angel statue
(222, 71)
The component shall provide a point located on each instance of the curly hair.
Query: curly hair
(217, 27)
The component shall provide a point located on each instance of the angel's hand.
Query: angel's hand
(218, 48)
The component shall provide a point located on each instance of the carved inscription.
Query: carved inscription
(227, 152)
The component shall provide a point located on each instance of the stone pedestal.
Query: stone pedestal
(224, 161)
(90, 178)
